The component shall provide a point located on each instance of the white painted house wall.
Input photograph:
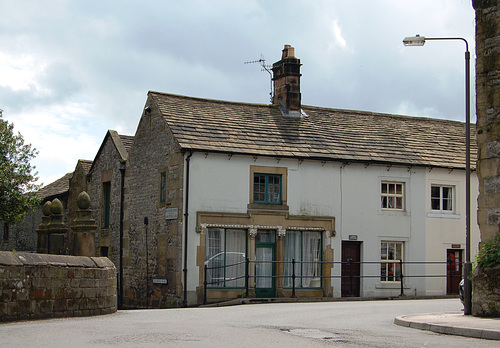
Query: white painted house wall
(350, 193)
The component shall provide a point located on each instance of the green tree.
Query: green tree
(17, 177)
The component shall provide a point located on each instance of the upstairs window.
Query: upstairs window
(106, 192)
(267, 188)
(442, 198)
(392, 195)
(163, 187)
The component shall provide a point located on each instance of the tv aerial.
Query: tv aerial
(264, 67)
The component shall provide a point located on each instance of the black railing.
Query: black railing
(399, 277)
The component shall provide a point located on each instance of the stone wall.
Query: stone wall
(486, 281)
(34, 286)
(154, 152)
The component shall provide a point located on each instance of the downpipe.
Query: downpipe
(186, 216)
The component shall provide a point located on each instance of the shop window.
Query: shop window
(305, 248)
(225, 257)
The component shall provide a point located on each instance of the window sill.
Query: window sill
(392, 285)
(393, 212)
(267, 207)
(443, 215)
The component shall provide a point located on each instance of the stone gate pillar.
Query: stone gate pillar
(42, 246)
(83, 227)
(57, 230)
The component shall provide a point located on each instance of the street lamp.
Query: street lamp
(420, 41)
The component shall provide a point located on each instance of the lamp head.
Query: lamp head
(416, 40)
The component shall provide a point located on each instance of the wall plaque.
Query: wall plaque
(171, 213)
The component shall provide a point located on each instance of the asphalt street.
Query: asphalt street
(320, 324)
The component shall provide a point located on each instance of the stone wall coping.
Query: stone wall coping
(9, 258)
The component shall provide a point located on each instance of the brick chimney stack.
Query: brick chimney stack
(286, 77)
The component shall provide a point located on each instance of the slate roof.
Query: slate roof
(326, 134)
(56, 188)
(127, 141)
(86, 165)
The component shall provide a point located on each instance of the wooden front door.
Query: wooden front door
(453, 270)
(351, 269)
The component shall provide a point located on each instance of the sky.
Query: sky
(71, 70)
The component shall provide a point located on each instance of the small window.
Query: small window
(392, 195)
(390, 255)
(105, 251)
(163, 187)
(106, 192)
(267, 188)
(442, 198)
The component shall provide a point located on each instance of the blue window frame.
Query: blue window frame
(267, 188)
(163, 187)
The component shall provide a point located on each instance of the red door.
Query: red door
(453, 270)
(351, 268)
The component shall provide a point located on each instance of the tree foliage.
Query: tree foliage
(17, 176)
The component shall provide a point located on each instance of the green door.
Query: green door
(265, 250)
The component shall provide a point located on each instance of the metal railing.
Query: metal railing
(399, 277)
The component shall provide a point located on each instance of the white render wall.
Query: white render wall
(351, 194)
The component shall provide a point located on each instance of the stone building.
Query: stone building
(106, 188)
(212, 182)
(22, 236)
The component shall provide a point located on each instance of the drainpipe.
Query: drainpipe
(120, 277)
(186, 216)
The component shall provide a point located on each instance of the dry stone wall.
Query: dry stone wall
(35, 286)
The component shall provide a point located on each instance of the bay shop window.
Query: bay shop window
(305, 248)
(225, 257)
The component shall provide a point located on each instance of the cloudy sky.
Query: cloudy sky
(71, 70)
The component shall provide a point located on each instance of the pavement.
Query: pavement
(455, 323)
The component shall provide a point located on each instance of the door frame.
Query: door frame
(345, 283)
(266, 292)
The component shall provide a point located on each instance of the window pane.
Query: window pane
(292, 246)
(235, 258)
(384, 251)
(435, 192)
(435, 204)
(399, 203)
(384, 202)
(399, 252)
(399, 189)
(391, 189)
(384, 188)
(311, 256)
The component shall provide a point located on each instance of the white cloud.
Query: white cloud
(19, 72)
(337, 35)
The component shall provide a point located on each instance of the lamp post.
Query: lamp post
(420, 41)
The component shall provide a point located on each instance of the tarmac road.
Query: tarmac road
(320, 324)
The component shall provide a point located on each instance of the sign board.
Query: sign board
(159, 281)
(171, 213)
(353, 237)
(456, 246)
